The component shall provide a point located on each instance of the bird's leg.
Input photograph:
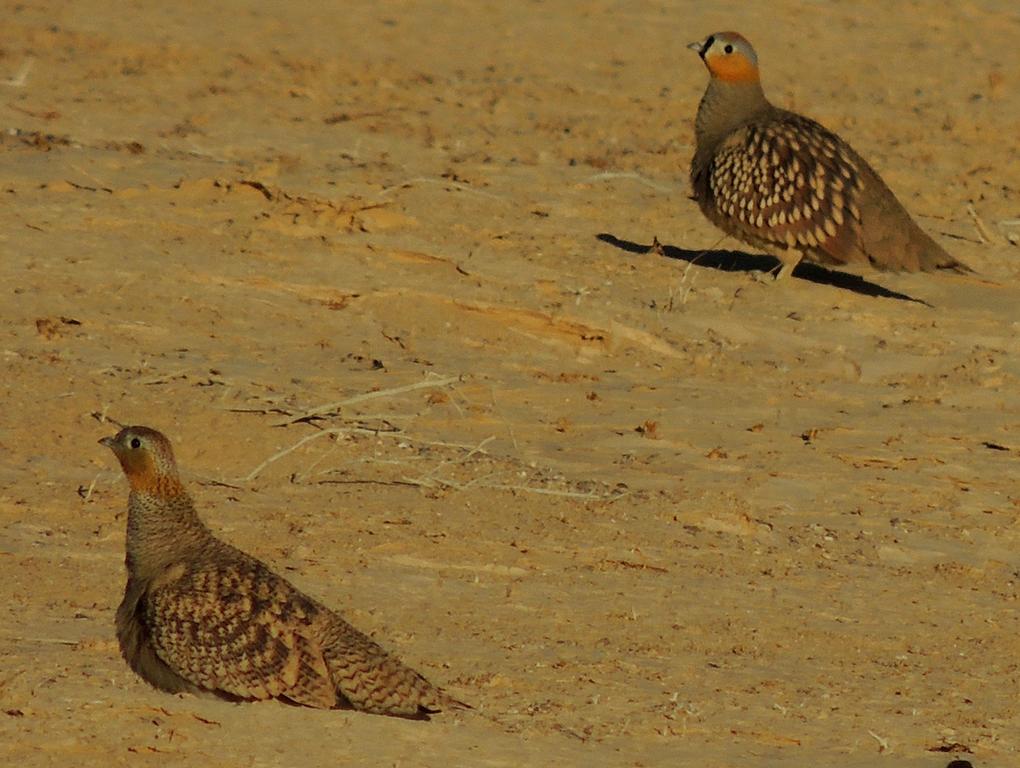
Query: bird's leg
(788, 261)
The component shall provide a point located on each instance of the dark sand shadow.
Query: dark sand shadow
(739, 261)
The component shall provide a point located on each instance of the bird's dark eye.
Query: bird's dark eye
(136, 443)
(728, 48)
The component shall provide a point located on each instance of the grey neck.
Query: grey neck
(724, 108)
(161, 531)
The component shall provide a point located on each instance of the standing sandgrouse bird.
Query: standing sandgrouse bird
(199, 615)
(783, 183)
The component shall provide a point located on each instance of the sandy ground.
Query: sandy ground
(638, 510)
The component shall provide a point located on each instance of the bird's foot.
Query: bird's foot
(656, 247)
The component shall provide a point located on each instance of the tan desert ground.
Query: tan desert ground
(381, 271)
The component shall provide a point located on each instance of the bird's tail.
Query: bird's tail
(891, 239)
(438, 700)
(936, 257)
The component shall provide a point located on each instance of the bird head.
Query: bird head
(728, 57)
(147, 459)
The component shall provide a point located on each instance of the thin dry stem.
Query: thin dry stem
(20, 78)
(430, 477)
(330, 407)
(554, 492)
(92, 487)
(394, 434)
(442, 182)
(608, 176)
(288, 450)
(985, 235)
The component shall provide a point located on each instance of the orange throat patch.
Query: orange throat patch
(143, 475)
(732, 69)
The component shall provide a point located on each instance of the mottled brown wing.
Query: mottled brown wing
(789, 183)
(374, 681)
(237, 628)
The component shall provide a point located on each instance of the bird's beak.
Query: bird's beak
(109, 442)
(698, 46)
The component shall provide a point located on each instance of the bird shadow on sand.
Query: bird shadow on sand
(738, 261)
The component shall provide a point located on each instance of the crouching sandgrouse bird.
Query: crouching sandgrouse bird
(199, 615)
(783, 183)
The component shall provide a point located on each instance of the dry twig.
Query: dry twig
(985, 235)
(19, 79)
(442, 182)
(608, 175)
(289, 449)
(322, 410)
